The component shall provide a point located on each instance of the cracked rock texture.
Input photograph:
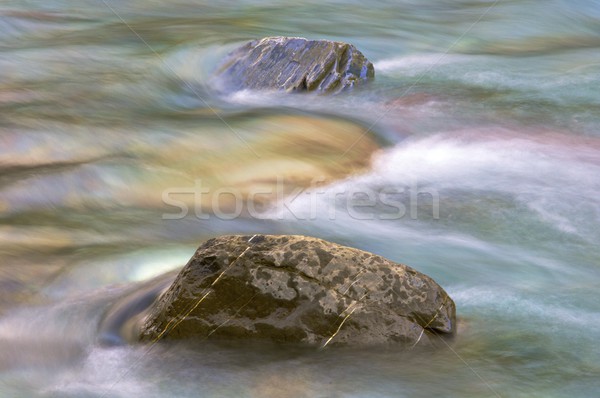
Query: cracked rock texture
(294, 64)
(298, 289)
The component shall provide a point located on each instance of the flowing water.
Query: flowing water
(474, 157)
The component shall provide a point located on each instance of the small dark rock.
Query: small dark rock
(294, 64)
(298, 289)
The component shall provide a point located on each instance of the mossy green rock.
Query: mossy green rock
(298, 289)
(294, 64)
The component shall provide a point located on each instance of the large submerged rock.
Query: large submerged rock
(298, 289)
(294, 64)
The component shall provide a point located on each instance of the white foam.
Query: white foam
(416, 63)
(543, 174)
(252, 97)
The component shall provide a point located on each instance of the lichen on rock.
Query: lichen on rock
(298, 289)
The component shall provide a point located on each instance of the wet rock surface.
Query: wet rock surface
(298, 289)
(294, 64)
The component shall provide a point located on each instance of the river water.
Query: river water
(474, 157)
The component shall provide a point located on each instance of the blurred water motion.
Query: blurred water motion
(492, 106)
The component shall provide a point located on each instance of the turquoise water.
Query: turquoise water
(483, 125)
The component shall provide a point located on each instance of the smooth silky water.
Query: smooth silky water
(489, 109)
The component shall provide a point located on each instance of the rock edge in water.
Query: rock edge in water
(298, 289)
(294, 64)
